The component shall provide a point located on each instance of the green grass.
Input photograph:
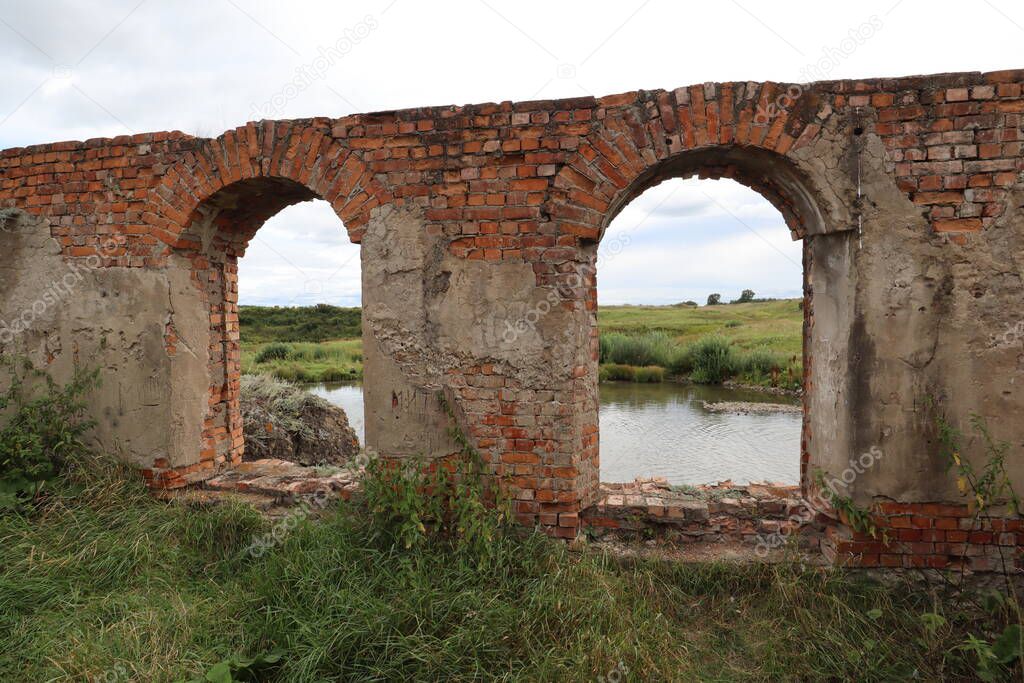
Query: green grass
(106, 581)
(776, 325)
(757, 343)
(306, 361)
(762, 336)
(299, 323)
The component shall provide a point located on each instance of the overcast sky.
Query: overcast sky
(76, 70)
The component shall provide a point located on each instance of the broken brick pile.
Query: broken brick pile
(286, 480)
(722, 512)
(765, 515)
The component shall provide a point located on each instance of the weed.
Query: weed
(275, 351)
(712, 360)
(652, 348)
(650, 374)
(613, 372)
(44, 430)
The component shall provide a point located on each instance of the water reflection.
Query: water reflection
(663, 430)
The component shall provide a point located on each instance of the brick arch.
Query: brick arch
(272, 164)
(742, 131)
(209, 206)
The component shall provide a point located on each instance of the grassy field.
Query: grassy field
(776, 325)
(318, 323)
(105, 583)
(757, 343)
(419, 578)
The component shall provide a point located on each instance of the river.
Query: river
(663, 430)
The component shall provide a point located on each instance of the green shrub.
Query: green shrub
(295, 373)
(615, 372)
(610, 344)
(764, 366)
(758, 362)
(43, 429)
(274, 351)
(712, 359)
(650, 374)
(681, 363)
(419, 504)
(649, 348)
(336, 374)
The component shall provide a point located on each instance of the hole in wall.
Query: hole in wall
(299, 295)
(659, 263)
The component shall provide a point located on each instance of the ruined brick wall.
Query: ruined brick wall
(479, 226)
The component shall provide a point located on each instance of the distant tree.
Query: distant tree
(745, 296)
(714, 299)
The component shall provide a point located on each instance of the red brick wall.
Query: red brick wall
(529, 182)
(930, 535)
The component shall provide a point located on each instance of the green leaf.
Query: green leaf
(874, 613)
(932, 621)
(220, 673)
(1007, 647)
(272, 657)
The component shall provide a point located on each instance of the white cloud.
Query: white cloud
(301, 256)
(734, 241)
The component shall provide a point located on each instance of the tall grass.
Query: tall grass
(305, 361)
(107, 583)
(649, 356)
(712, 360)
(650, 348)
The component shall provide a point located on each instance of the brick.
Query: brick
(958, 225)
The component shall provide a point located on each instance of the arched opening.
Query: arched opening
(701, 355)
(784, 185)
(281, 279)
